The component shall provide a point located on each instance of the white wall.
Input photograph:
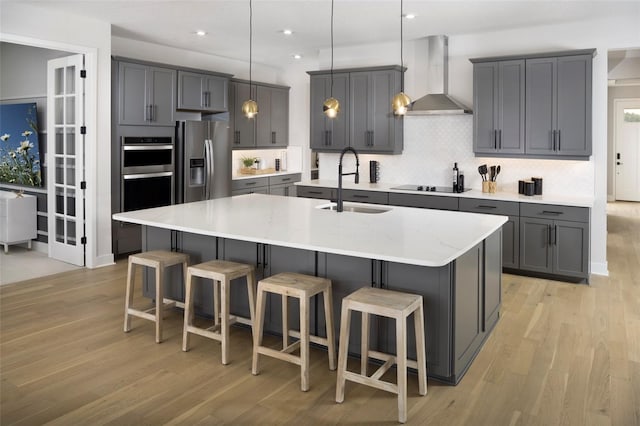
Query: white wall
(432, 145)
(29, 25)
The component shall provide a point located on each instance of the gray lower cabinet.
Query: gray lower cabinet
(423, 201)
(498, 99)
(373, 197)
(274, 185)
(258, 185)
(555, 240)
(284, 185)
(146, 95)
(329, 134)
(202, 92)
(316, 192)
(510, 230)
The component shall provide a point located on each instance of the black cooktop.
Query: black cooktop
(427, 188)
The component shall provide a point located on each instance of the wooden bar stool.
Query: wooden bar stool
(304, 287)
(390, 304)
(159, 260)
(222, 273)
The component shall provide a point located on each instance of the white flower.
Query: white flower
(5, 137)
(25, 145)
(27, 133)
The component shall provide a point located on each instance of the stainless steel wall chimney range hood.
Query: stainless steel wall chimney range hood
(437, 102)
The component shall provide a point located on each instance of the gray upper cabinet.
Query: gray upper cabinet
(272, 122)
(374, 128)
(270, 127)
(536, 105)
(202, 92)
(365, 121)
(243, 129)
(498, 98)
(329, 134)
(559, 106)
(146, 95)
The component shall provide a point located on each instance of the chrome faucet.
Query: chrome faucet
(340, 174)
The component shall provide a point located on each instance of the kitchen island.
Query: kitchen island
(453, 259)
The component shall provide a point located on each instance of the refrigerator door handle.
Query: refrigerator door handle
(209, 168)
(205, 190)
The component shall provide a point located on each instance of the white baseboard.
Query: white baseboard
(611, 198)
(101, 261)
(600, 268)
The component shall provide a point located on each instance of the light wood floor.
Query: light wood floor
(560, 354)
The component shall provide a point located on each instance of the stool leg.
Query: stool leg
(216, 302)
(159, 302)
(285, 321)
(345, 326)
(251, 291)
(304, 343)
(188, 311)
(364, 344)
(128, 301)
(224, 301)
(328, 319)
(259, 323)
(418, 316)
(401, 361)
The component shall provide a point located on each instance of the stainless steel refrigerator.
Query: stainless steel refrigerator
(203, 163)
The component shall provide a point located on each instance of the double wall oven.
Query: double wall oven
(147, 172)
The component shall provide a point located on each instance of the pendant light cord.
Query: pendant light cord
(401, 50)
(332, 48)
(250, 45)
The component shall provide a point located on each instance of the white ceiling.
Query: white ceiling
(173, 23)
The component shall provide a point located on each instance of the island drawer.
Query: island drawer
(551, 211)
(249, 183)
(478, 205)
(373, 197)
(290, 178)
(316, 192)
(423, 201)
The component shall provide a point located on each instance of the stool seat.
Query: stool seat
(391, 304)
(303, 287)
(158, 260)
(222, 272)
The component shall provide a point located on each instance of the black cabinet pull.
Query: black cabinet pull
(371, 138)
(360, 196)
(273, 137)
(559, 140)
(551, 212)
(549, 235)
(315, 192)
(500, 139)
(330, 137)
(495, 139)
(486, 207)
(555, 235)
(250, 183)
(286, 180)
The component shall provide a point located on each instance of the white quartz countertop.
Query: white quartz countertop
(563, 200)
(406, 235)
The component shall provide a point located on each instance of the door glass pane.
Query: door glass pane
(71, 110)
(632, 115)
(59, 171)
(59, 230)
(59, 203)
(71, 142)
(59, 111)
(59, 148)
(71, 232)
(70, 86)
(71, 172)
(59, 81)
(71, 202)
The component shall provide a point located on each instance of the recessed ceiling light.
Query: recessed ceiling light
(287, 32)
(297, 56)
(409, 15)
(201, 33)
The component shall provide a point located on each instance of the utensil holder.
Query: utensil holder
(489, 186)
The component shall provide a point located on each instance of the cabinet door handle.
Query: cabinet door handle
(286, 180)
(326, 137)
(559, 140)
(364, 197)
(371, 138)
(551, 212)
(495, 139)
(555, 139)
(315, 192)
(549, 243)
(273, 137)
(250, 183)
(555, 235)
(486, 207)
(500, 139)
(330, 137)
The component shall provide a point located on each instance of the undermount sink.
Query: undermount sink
(354, 208)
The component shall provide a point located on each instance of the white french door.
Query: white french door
(65, 159)
(627, 149)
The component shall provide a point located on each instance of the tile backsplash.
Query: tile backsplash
(433, 143)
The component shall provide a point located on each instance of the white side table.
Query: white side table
(17, 219)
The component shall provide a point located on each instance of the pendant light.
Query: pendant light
(401, 101)
(331, 106)
(250, 107)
